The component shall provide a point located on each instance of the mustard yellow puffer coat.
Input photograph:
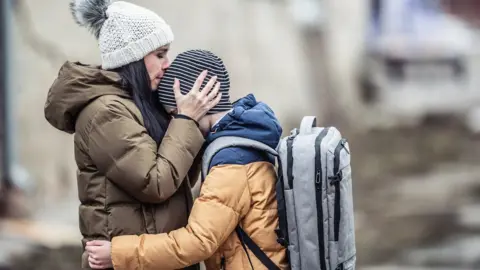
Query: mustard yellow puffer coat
(231, 195)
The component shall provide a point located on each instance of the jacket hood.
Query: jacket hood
(75, 87)
(249, 119)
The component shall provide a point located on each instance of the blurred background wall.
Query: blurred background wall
(399, 77)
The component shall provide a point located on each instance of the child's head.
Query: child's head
(186, 67)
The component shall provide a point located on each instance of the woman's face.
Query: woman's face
(157, 62)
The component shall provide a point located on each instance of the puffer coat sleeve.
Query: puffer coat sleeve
(122, 150)
(215, 214)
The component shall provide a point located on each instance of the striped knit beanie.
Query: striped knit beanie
(186, 67)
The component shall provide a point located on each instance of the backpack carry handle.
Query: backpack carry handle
(308, 122)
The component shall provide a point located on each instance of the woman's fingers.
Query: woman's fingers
(95, 264)
(96, 243)
(93, 260)
(214, 92)
(91, 249)
(208, 87)
(198, 102)
(176, 89)
(198, 83)
(214, 102)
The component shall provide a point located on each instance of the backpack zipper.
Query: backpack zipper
(318, 197)
(290, 160)
(335, 181)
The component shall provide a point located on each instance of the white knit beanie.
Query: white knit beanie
(126, 32)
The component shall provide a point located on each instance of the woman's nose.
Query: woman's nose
(166, 64)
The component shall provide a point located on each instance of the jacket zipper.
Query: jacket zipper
(223, 263)
(318, 197)
(335, 181)
(188, 204)
(152, 211)
(144, 219)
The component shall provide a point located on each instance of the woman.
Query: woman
(133, 162)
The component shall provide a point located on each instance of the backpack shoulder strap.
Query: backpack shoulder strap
(246, 241)
(230, 141)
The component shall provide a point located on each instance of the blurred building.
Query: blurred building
(422, 60)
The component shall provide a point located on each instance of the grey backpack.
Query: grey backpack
(314, 196)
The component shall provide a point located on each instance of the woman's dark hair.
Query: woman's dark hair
(137, 83)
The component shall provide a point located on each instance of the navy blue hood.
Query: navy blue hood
(249, 119)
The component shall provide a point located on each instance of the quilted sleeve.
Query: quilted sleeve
(121, 149)
(224, 200)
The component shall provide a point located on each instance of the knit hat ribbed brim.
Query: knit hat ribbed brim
(186, 67)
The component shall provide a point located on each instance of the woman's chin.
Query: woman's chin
(155, 84)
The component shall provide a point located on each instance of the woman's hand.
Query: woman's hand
(99, 254)
(197, 103)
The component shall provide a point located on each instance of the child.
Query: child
(239, 188)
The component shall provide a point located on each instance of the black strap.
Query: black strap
(248, 242)
(240, 237)
(183, 116)
(282, 231)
